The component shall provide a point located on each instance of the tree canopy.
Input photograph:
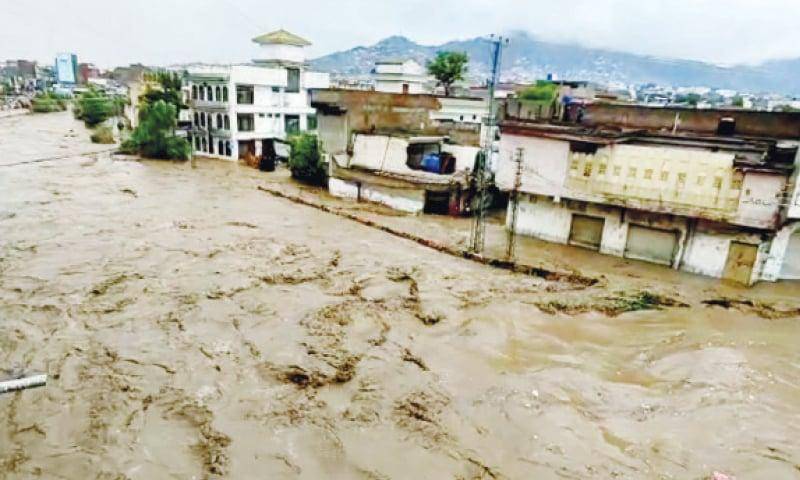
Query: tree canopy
(154, 137)
(165, 86)
(448, 68)
(95, 107)
(305, 159)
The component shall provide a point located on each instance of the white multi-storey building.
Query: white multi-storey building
(234, 109)
(400, 76)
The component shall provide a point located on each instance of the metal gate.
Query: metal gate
(739, 266)
(651, 244)
(586, 231)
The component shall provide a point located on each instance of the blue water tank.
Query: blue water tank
(431, 163)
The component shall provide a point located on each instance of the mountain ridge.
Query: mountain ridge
(527, 58)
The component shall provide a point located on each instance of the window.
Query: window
(276, 89)
(196, 119)
(197, 143)
(664, 176)
(245, 122)
(736, 181)
(202, 93)
(224, 94)
(292, 123)
(244, 94)
(220, 148)
(587, 170)
(681, 179)
(601, 169)
(631, 172)
(194, 92)
(210, 93)
(218, 93)
(701, 179)
(617, 170)
(717, 182)
(203, 148)
(292, 80)
(312, 122)
(227, 147)
(260, 115)
(219, 120)
(202, 119)
(227, 122)
(648, 174)
(210, 144)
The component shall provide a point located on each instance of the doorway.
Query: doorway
(741, 259)
(586, 232)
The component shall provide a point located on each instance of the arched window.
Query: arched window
(202, 119)
(197, 143)
(227, 122)
(210, 93)
(224, 94)
(217, 94)
(228, 148)
(202, 93)
(204, 144)
(196, 118)
(220, 148)
(194, 92)
(219, 120)
(210, 144)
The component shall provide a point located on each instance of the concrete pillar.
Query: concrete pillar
(773, 263)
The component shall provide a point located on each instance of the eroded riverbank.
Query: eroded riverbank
(194, 326)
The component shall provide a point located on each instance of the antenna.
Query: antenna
(479, 224)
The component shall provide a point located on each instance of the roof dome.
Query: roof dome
(281, 37)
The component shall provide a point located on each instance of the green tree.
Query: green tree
(543, 91)
(165, 86)
(305, 159)
(448, 68)
(95, 107)
(738, 101)
(154, 137)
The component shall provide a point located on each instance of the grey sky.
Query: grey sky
(168, 31)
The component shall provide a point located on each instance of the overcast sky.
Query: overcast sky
(160, 32)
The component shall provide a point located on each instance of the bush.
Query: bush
(155, 135)
(102, 134)
(46, 102)
(95, 107)
(543, 91)
(305, 159)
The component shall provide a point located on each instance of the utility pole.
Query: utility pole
(479, 222)
(514, 204)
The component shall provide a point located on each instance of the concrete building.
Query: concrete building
(236, 110)
(376, 145)
(713, 192)
(400, 76)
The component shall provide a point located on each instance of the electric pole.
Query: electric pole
(479, 222)
(514, 207)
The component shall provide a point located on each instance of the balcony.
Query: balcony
(207, 105)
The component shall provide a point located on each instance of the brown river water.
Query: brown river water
(193, 326)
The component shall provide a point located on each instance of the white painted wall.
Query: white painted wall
(759, 203)
(288, 53)
(411, 201)
(545, 164)
(342, 189)
(706, 254)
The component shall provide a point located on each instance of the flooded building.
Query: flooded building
(397, 150)
(235, 109)
(712, 192)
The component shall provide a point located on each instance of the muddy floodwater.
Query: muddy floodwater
(193, 326)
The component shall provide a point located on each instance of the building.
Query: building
(236, 110)
(66, 68)
(712, 192)
(87, 71)
(400, 76)
(388, 148)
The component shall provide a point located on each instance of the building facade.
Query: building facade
(712, 192)
(234, 109)
(400, 76)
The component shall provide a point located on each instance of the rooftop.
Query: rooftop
(281, 37)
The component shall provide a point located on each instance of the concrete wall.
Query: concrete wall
(781, 254)
(760, 200)
(342, 189)
(748, 122)
(544, 169)
(411, 201)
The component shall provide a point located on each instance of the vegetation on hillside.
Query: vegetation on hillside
(155, 137)
(448, 68)
(305, 159)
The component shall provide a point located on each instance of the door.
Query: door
(791, 260)
(651, 244)
(739, 266)
(405, 88)
(586, 231)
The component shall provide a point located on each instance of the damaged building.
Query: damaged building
(712, 192)
(397, 149)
